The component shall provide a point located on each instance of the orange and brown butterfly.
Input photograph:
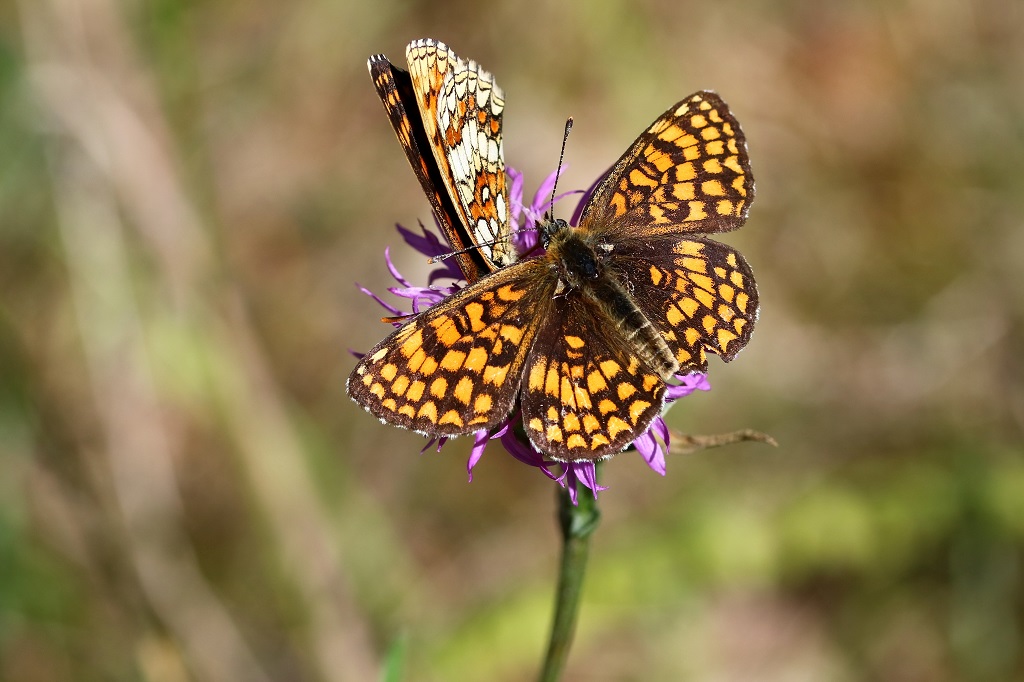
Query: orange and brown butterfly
(447, 113)
(585, 336)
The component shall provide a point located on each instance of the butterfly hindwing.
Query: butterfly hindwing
(699, 293)
(586, 393)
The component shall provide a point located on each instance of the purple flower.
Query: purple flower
(652, 444)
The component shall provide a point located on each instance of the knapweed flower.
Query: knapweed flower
(526, 220)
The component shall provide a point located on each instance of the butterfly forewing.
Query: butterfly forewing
(462, 108)
(455, 368)
(394, 87)
(688, 172)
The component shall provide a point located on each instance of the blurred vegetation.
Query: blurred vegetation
(188, 192)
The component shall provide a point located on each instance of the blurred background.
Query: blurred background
(188, 192)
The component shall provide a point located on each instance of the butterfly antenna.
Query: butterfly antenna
(561, 157)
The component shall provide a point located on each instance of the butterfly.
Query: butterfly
(446, 113)
(585, 336)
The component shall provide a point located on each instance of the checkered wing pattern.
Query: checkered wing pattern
(586, 391)
(455, 368)
(394, 87)
(461, 106)
(688, 172)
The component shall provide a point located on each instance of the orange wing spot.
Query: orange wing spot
(367, 379)
(453, 360)
(582, 398)
(378, 390)
(709, 323)
(712, 188)
(439, 387)
(637, 409)
(712, 166)
(673, 315)
(696, 210)
(551, 381)
(389, 371)
(731, 259)
(704, 104)
(658, 126)
(508, 293)
(427, 366)
(390, 405)
(552, 414)
(691, 153)
(512, 334)
(715, 116)
(610, 368)
(731, 146)
(617, 426)
(536, 378)
(683, 356)
(475, 312)
(634, 362)
(688, 248)
(451, 417)
(416, 360)
(447, 333)
(672, 133)
(576, 441)
(741, 302)
(688, 306)
(464, 390)
(483, 403)
(536, 425)
(428, 411)
(661, 161)
(567, 394)
(733, 164)
(726, 292)
(727, 127)
(703, 281)
(476, 360)
(400, 385)
(598, 440)
(698, 121)
(724, 207)
(606, 406)
(657, 214)
(618, 203)
(596, 382)
(495, 375)
(554, 434)
(737, 185)
(379, 355)
(688, 143)
(736, 278)
(684, 191)
(706, 298)
(407, 410)
(656, 276)
(714, 148)
(694, 264)
(415, 391)
(650, 381)
(711, 133)
(625, 390)
(575, 342)
(692, 335)
(412, 344)
(724, 338)
(685, 171)
(571, 422)
(590, 423)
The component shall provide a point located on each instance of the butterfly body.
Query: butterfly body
(583, 337)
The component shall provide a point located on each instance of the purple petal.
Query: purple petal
(380, 301)
(575, 220)
(480, 439)
(688, 384)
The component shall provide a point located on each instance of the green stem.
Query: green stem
(577, 524)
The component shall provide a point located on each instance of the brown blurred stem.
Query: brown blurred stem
(577, 522)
